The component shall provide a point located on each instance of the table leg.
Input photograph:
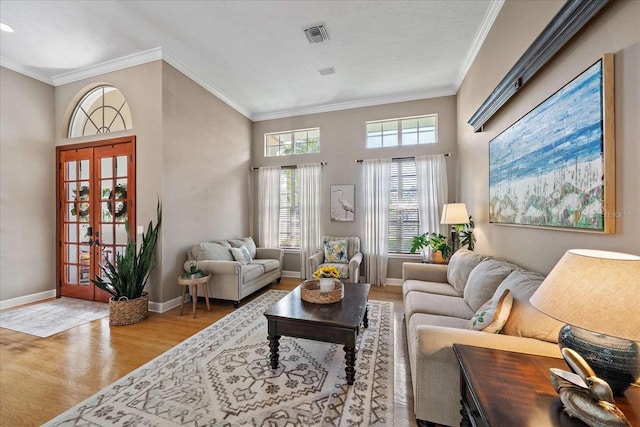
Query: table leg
(194, 296)
(184, 294)
(273, 347)
(350, 361)
(206, 296)
(365, 322)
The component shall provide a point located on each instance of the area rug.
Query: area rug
(52, 317)
(221, 377)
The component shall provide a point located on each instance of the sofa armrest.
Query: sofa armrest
(269, 253)
(215, 267)
(436, 364)
(426, 272)
(354, 267)
(313, 262)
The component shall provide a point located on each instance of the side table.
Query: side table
(186, 282)
(504, 388)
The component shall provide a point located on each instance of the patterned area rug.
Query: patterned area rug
(52, 317)
(221, 377)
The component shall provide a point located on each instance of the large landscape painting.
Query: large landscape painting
(548, 168)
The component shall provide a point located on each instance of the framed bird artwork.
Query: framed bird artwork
(343, 207)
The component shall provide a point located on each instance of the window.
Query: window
(103, 109)
(405, 131)
(404, 223)
(289, 209)
(300, 141)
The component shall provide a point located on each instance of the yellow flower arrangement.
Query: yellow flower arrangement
(326, 271)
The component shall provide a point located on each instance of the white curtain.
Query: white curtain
(376, 183)
(431, 173)
(269, 206)
(309, 176)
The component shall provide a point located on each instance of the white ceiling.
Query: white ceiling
(254, 54)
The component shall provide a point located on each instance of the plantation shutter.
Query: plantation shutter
(404, 223)
(289, 209)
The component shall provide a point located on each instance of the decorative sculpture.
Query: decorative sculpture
(584, 395)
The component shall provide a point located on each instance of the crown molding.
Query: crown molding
(132, 60)
(368, 102)
(18, 68)
(206, 84)
(485, 27)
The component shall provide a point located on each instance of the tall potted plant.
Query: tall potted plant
(465, 231)
(127, 278)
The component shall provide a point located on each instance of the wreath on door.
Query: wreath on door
(81, 209)
(120, 206)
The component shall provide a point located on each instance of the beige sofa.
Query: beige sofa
(439, 301)
(233, 278)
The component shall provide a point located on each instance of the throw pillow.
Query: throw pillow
(492, 316)
(335, 251)
(241, 254)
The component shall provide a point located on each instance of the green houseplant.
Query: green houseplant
(437, 242)
(127, 278)
(465, 231)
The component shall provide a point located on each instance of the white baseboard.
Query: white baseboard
(14, 302)
(394, 282)
(291, 274)
(161, 307)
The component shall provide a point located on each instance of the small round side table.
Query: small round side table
(185, 282)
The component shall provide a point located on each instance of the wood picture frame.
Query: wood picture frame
(555, 166)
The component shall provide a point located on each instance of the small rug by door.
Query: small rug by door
(221, 377)
(52, 317)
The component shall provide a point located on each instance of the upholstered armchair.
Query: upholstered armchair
(341, 252)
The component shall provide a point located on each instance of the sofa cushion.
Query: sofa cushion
(492, 316)
(442, 305)
(216, 251)
(484, 280)
(430, 287)
(247, 242)
(241, 254)
(460, 266)
(267, 264)
(335, 251)
(525, 320)
(251, 271)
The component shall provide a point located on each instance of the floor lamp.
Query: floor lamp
(454, 214)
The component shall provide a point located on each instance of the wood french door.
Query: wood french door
(96, 202)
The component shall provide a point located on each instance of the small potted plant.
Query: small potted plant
(325, 275)
(194, 272)
(437, 243)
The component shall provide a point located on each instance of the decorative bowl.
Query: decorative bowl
(310, 292)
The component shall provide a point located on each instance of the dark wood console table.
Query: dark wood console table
(503, 388)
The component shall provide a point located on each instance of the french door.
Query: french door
(96, 203)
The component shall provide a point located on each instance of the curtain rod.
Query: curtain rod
(405, 158)
(289, 166)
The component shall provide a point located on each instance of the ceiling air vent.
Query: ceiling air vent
(316, 34)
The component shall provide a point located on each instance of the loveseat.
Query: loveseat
(237, 267)
(442, 302)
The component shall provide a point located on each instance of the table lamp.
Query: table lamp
(454, 214)
(597, 294)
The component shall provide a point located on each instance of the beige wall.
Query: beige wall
(342, 142)
(207, 149)
(615, 30)
(27, 190)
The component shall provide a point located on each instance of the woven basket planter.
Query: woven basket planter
(128, 312)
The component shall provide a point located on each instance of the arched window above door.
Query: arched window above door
(103, 109)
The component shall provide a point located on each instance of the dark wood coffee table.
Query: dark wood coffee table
(336, 323)
(503, 388)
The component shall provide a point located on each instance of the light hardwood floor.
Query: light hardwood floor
(42, 377)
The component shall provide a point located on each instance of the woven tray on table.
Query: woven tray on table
(310, 292)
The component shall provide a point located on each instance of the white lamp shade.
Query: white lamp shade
(594, 290)
(454, 213)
